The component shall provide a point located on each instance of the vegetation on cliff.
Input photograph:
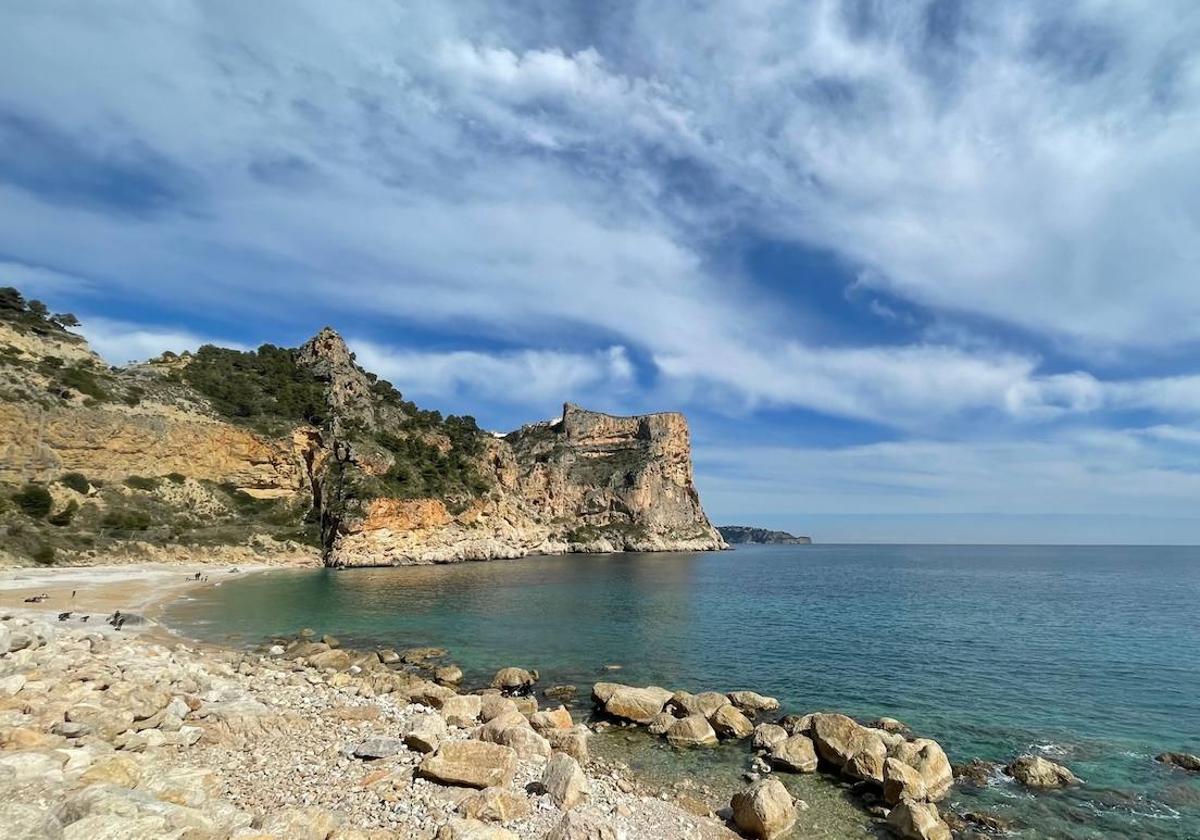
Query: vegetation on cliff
(743, 534)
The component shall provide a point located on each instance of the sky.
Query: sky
(919, 271)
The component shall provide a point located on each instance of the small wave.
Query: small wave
(1051, 748)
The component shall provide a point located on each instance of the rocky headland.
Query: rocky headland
(301, 455)
(743, 534)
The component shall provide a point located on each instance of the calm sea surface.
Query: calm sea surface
(1089, 655)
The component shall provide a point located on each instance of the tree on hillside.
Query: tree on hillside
(11, 302)
(66, 320)
(37, 309)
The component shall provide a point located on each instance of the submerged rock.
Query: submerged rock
(764, 810)
(1036, 772)
(1184, 761)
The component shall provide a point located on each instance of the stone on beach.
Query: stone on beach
(544, 721)
(795, 753)
(468, 829)
(573, 741)
(524, 741)
(692, 731)
(576, 826)
(1033, 771)
(424, 732)
(564, 781)
(764, 810)
(470, 763)
(378, 747)
(918, 821)
(494, 804)
(493, 705)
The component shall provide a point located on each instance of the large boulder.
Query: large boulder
(767, 735)
(497, 726)
(337, 660)
(729, 722)
(660, 723)
(795, 753)
(564, 781)
(424, 732)
(705, 703)
(692, 731)
(573, 741)
(639, 705)
(601, 691)
(753, 702)
(764, 810)
(544, 721)
(493, 705)
(514, 680)
(1036, 772)
(929, 760)
(848, 746)
(901, 781)
(524, 741)
(470, 764)
(918, 821)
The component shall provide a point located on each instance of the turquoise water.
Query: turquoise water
(1088, 654)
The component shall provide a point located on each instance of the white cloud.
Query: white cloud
(120, 342)
(520, 377)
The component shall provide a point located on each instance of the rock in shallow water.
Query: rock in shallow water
(639, 705)
(796, 754)
(692, 731)
(1184, 761)
(1036, 772)
(918, 821)
(764, 810)
(728, 722)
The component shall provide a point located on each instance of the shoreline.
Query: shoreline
(346, 676)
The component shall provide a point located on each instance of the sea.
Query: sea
(1087, 655)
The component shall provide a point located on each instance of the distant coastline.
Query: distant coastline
(744, 535)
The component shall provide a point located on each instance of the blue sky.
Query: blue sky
(923, 271)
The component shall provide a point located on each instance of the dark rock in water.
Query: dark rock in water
(562, 692)
(1184, 761)
(991, 822)
(975, 772)
(743, 534)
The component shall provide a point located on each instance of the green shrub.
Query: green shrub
(34, 500)
(176, 478)
(43, 555)
(64, 516)
(79, 378)
(76, 481)
(265, 387)
(126, 520)
(138, 482)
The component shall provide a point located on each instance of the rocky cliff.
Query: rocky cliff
(287, 448)
(744, 534)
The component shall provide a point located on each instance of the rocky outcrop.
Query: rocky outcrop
(588, 482)
(1184, 761)
(745, 535)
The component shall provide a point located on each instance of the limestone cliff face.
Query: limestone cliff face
(587, 482)
(386, 483)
